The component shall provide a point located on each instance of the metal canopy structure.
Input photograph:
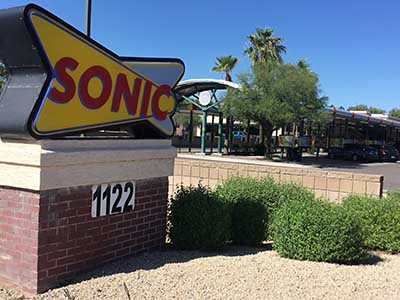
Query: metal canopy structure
(347, 127)
(190, 91)
(371, 119)
(191, 87)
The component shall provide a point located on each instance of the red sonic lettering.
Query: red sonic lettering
(122, 90)
(68, 83)
(105, 77)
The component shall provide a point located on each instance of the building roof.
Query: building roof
(376, 119)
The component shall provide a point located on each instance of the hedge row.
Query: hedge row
(263, 192)
(248, 211)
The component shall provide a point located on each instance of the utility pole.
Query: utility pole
(88, 17)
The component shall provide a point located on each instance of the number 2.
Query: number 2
(115, 207)
(128, 186)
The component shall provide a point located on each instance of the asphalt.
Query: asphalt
(390, 171)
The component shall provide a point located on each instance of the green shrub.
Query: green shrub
(247, 189)
(287, 192)
(290, 192)
(317, 230)
(380, 220)
(248, 222)
(197, 219)
(238, 188)
(265, 191)
(394, 193)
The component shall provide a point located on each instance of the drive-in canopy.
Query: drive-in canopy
(191, 87)
(189, 91)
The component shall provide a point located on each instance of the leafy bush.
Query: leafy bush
(290, 192)
(265, 191)
(287, 192)
(317, 230)
(197, 219)
(248, 222)
(394, 193)
(380, 220)
(238, 188)
(247, 189)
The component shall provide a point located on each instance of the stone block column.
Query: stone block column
(50, 226)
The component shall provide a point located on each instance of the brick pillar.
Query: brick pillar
(47, 228)
(19, 231)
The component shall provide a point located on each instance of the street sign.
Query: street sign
(63, 82)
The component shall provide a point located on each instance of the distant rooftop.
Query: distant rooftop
(364, 116)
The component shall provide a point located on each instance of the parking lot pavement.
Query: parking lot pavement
(390, 171)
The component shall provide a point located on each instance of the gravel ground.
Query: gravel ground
(236, 273)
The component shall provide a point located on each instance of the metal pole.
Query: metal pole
(191, 130)
(220, 133)
(88, 17)
(230, 137)
(212, 134)
(203, 132)
(226, 141)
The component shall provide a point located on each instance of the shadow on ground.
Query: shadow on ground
(371, 259)
(324, 162)
(156, 259)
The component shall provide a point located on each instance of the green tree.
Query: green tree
(184, 119)
(263, 46)
(395, 112)
(274, 95)
(359, 107)
(363, 107)
(303, 64)
(225, 64)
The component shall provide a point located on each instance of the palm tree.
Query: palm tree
(263, 46)
(225, 64)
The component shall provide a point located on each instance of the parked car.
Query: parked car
(240, 135)
(387, 153)
(354, 153)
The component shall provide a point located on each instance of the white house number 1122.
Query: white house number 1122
(113, 198)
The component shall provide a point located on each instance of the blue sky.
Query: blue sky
(353, 45)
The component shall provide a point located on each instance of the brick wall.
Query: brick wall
(19, 228)
(68, 239)
(331, 185)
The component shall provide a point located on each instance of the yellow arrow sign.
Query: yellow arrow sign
(91, 87)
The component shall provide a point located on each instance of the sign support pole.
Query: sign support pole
(88, 17)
